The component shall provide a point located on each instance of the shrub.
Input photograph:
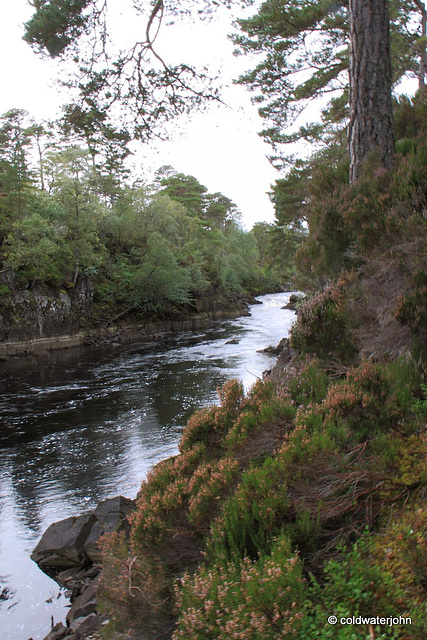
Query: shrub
(210, 425)
(411, 309)
(261, 411)
(355, 585)
(402, 551)
(163, 494)
(370, 400)
(322, 327)
(310, 385)
(208, 484)
(253, 515)
(257, 599)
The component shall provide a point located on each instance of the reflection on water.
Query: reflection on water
(86, 424)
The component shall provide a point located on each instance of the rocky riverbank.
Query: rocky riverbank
(68, 552)
(69, 549)
(37, 321)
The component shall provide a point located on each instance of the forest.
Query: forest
(72, 211)
(299, 506)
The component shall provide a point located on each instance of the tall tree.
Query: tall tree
(302, 50)
(371, 115)
(15, 173)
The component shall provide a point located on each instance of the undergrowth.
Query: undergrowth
(300, 500)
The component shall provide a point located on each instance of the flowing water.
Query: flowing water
(83, 425)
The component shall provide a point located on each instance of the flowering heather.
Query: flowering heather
(368, 400)
(256, 600)
(208, 484)
(322, 327)
(253, 514)
(288, 463)
(210, 425)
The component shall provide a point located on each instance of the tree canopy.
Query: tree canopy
(303, 48)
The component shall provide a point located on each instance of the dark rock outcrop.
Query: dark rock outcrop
(285, 355)
(73, 542)
(62, 544)
(69, 552)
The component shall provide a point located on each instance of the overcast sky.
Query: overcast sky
(220, 148)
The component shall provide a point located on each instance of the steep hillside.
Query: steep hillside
(299, 510)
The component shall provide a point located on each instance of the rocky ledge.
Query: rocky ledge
(69, 552)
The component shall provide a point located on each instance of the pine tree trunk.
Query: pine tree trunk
(371, 117)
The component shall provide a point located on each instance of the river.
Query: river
(86, 424)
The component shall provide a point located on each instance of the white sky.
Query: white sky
(220, 148)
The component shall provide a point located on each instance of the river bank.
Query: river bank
(40, 320)
(84, 424)
(69, 550)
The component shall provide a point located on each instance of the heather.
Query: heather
(306, 496)
(296, 501)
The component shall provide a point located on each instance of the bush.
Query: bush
(253, 515)
(261, 411)
(355, 585)
(373, 398)
(310, 385)
(248, 600)
(211, 425)
(322, 327)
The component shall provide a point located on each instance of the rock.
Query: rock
(82, 627)
(66, 578)
(112, 515)
(73, 542)
(293, 302)
(69, 550)
(83, 605)
(269, 350)
(275, 351)
(283, 344)
(58, 632)
(285, 356)
(233, 341)
(62, 544)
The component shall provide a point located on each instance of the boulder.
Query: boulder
(73, 542)
(293, 302)
(275, 351)
(112, 515)
(62, 544)
(82, 627)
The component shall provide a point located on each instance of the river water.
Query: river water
(83, 425)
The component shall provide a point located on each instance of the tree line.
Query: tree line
(343, 57)
(67, 212)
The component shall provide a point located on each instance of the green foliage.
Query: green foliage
(261, 410)
(16, 178)
(302, 57)
(373, 398)
(186, 190)
(37, 248)
(311, 384)
(322, 327)
(420, 404)
(215, 527)
(209, 426)
(252, 516)
(151, 253)
(354, 586)
(56, 23)
(275, 257)
(258, 599)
